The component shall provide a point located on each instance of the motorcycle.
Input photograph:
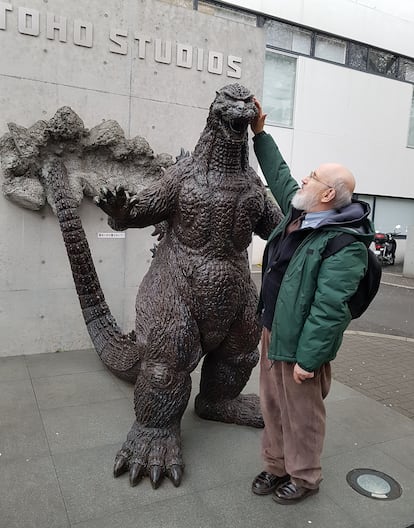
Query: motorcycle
(386, 246)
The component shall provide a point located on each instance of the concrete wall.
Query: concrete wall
(162, 101)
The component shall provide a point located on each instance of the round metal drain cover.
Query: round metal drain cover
(374, 484)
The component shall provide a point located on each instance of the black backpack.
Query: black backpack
(369, 283)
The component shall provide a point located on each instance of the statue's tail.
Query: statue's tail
(118, 351)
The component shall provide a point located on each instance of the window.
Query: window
(393, 212)
(382, 62)
(406, 71)
(279, 88)
(410, 142)
(301, 40)
(330, 48)
(288, 37)
(358, 56)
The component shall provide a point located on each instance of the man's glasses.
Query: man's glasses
(314, 176)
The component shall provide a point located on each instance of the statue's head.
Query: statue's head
(232, 111)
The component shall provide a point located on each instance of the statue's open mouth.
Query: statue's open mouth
(238, 125)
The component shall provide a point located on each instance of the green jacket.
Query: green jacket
(311, 311)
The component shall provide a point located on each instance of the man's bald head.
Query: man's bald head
(334, 174)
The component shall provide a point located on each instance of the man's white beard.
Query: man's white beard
(305, 202)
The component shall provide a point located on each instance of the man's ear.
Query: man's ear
(328, 195)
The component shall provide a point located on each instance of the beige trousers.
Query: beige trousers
(294, 416)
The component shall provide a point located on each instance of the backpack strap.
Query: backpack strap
(336, 243)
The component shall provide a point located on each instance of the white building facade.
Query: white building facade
(336, 78)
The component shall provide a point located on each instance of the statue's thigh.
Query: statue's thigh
(244, 333)
(166, 330)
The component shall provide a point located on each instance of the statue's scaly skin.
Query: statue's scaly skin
(198, 297)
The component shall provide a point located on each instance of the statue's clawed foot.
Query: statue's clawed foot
(151, 452)
(243, 410)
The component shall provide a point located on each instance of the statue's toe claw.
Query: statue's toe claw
(136, 473)
(120, 466)
(156, 475)
(175, 473)
(96, 200)
(155, 453)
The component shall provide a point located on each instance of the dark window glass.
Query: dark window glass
(288, 37)
(330, 48)
(410, 141)
(382, 63)
(406, 70)
(357, 56)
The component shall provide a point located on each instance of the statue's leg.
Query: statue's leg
(225, 373)
(172, 350)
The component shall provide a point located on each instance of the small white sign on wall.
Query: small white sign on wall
(111, 235)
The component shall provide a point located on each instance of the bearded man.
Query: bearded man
(304, 311)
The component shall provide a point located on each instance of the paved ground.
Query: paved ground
(381, 367)
(377, 365)
(63, 417)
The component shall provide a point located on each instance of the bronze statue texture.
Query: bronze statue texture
(197, 299)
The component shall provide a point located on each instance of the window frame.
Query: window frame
(269, 120)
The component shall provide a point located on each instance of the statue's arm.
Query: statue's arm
(149, 207)
(270, 218)
(270, 215)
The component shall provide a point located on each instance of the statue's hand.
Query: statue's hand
(119, 205)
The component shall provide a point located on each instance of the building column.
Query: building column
(408, 269)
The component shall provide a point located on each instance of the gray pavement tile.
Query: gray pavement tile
(30, 496)
(341, 439)
(22, 435)
(401, 449)
(13, 368)
(91, 491)
(85, 426)
(372, 421)
(126, 388)
(17, 396)
(370, 513)
(215, 455)
(68, 362)
(75, 389)
(339, 391)
(229, 506)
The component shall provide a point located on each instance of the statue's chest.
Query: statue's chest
(217, 204)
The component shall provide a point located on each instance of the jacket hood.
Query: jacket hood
(352, 218)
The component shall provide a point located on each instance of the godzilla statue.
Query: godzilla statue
(196, 300)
